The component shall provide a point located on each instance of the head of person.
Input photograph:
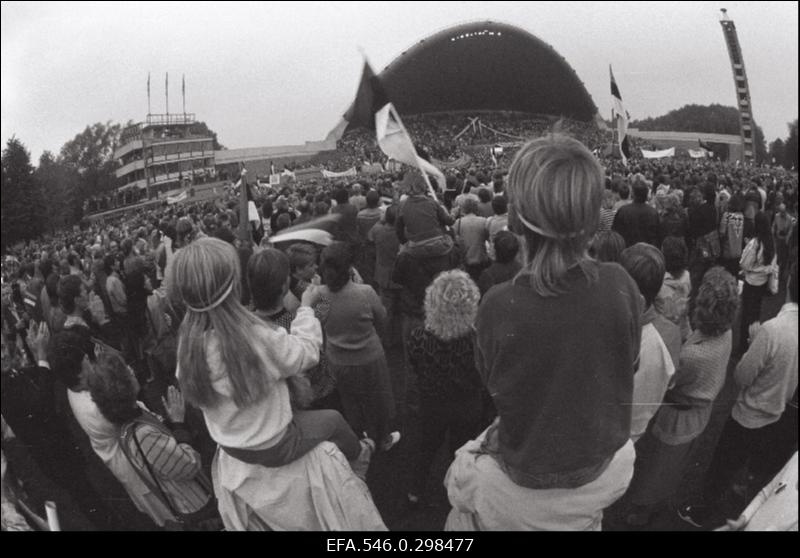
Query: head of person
(607, 246)
(645, 264)
(373, 199)
(340, 196)
(283, 222)
(335, 264)
(640, 191)
(506, 247)
(66, 354)
(72, 295)
(499, 205)
(624, 191)
(268, 278)
(497, 182)
(451, 305)
(413, 183)
(469, 206)
(484, 195)
(302, 260)
(184, 231)
(709, 193)
(716, 303)
(113, 387)
(391, 215)
(357, 189)
(609, 199)
(555, 186)
(205, 278)
(676, 255)
(321, 208)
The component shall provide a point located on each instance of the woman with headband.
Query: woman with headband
(556, 348)
(234, 367)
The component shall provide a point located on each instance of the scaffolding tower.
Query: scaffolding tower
(746, 129)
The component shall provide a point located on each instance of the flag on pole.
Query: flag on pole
(183, 91)
(166, 90)
(148, 92)
(622, 117)
(372, 110)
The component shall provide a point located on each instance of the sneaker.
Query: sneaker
(360, 465)
(390, 441)
(694, 514)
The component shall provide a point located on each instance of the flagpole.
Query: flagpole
(166, 92)
(244, 230)
(183, 92)
(148, 94)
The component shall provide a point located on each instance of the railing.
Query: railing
(170, 119)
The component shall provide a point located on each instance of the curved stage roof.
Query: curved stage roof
(486, 66)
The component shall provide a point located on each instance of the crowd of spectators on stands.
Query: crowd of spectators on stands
(162, 370)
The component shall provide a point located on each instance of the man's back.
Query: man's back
(637, 222)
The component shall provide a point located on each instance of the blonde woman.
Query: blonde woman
(234, 367)
(442, 356)
(556, 348)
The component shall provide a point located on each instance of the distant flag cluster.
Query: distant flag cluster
(622, 118)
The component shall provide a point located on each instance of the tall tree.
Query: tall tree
(22, 207)
(90, 154)
(790, 150)
(776, 151)
(202, 129)
(59, 184)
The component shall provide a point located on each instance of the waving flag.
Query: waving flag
(372, 110)
(622, 117)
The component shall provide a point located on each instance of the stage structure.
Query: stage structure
(742, 89)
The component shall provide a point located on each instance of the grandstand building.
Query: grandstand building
(164, 153)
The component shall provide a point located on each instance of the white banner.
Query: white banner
(349, 172)
(179, 198)
(698, 153)
(275, 180)
(658, 154)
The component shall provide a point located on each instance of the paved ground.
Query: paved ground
(388, 477)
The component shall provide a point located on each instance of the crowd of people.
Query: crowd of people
(565, 324)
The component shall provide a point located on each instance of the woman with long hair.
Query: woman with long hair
(556, 348)
(234, 367)
(731, 234)
(757, 261)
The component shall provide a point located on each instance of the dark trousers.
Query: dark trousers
(751, 311)
(458, 417)
(307, 430)
(366, 395)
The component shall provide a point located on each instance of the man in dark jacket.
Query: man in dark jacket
(637, 221)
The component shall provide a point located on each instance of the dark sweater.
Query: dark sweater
(637, 222)
(351, 327)
(560, 370)
(421, 218)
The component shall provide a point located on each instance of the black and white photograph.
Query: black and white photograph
(398, 273)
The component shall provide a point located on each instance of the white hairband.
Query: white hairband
(548, 234)
(216, 303)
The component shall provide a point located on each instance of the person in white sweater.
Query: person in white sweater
(235, 367)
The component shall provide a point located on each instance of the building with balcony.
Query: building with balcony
(164, 153)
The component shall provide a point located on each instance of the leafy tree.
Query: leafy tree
(59, 184)
(776, 151)
(23, 204)
(90, 154)
(202, 129)
(790, 152)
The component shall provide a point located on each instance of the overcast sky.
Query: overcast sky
(282, 73)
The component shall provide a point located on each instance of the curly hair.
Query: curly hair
(113, 388)
(717, 302)
(451, 305)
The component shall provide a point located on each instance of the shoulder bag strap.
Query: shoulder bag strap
(154, 478)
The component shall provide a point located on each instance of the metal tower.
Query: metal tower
(746, 129)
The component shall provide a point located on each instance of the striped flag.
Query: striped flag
(622, 117)
(372, 110)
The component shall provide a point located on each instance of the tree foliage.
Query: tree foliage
(202, 129)
(91, 155)
(23, 203)
(709, 119)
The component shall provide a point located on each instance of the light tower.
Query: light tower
(746, 129)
